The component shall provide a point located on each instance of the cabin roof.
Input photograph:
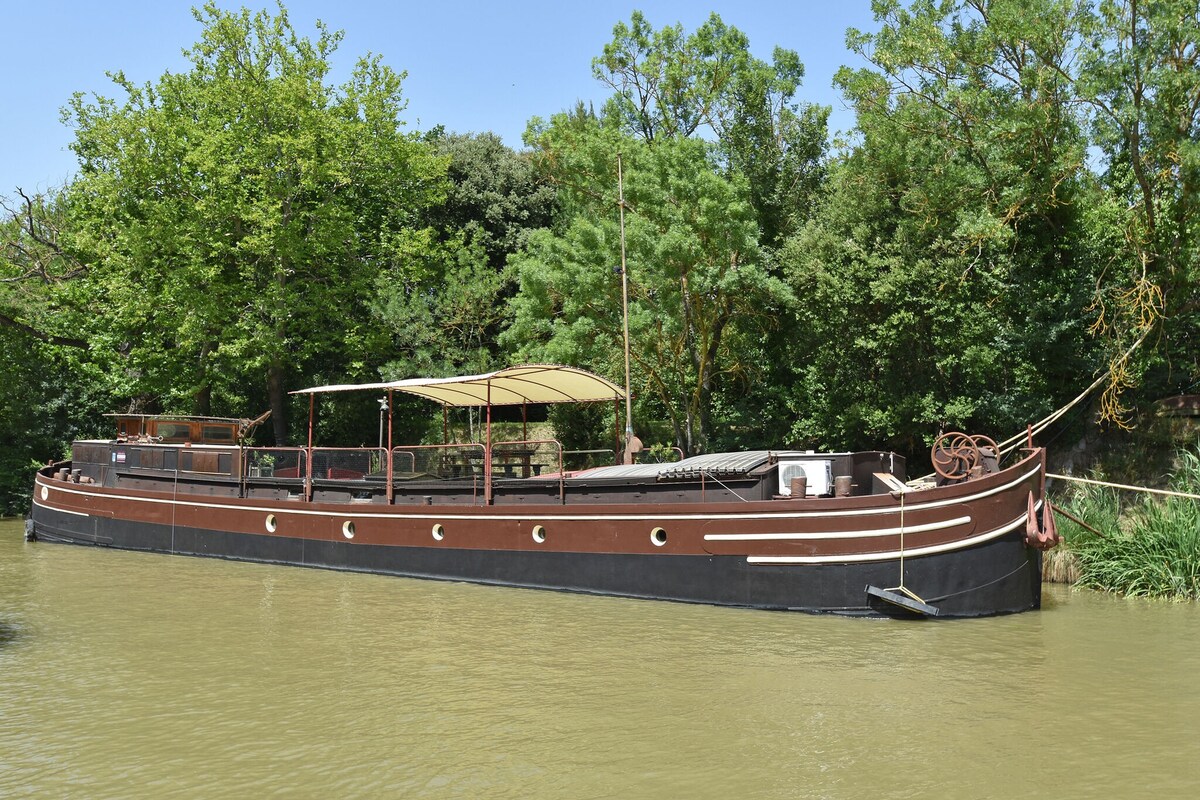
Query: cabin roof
(708, 464)
(526, 383)
(177, 418)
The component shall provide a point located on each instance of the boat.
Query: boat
(843, 533)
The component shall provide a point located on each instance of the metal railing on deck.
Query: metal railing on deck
(530, 459)
(349, 463)
(527, 459)
(538, 458)
(576, 460)
(441, 461)
(274, 462)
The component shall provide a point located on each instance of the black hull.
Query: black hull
(999, 576)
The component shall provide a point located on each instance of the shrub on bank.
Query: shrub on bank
(1150, 545)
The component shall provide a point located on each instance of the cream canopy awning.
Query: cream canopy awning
(527, 383)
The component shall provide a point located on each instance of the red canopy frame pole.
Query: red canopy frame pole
(487, 451)
(390, 472)
(616, 429)
(312, 403)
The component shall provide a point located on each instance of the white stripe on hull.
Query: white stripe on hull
(894, 554)
(767, 537)
(61, 510)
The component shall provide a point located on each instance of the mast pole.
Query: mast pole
(628, 456)
(487, 451)
(391, 471)
(308, 454)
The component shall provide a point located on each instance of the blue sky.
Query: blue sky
(472, 66)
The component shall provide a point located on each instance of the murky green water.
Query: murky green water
(133, 675)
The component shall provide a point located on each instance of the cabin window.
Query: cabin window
(174, 431)
(216, 433)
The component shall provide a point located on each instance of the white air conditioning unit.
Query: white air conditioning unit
(818, 471)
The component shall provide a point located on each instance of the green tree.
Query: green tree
(1137, 72)
(720, 164)
(941, 280)
(236, 215)
(668, 85)
(441, 308)
(697, 287)
(495, 196)
(1068, 122)
(444, 307)
(38, 256)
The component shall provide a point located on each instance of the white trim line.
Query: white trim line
(916, 551)
(766, 537)
(62, 510)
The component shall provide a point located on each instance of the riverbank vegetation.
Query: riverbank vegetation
(1147, 546)
(1014, 213)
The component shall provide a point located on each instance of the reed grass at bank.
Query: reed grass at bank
(1150, 545)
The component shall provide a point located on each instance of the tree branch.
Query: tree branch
(49, 338)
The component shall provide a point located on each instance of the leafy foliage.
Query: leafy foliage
(495, 196)
(443, 306)
(701, 217)
(47, 398)
(1148, 548)
(671, 85)
(1139, 76)
(237, 214)
(940, 277)
(696, 281)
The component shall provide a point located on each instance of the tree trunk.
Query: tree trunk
(202, 400)
(278, 400)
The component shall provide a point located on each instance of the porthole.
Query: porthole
(539, 534)
(658, 536)
(272, 523)
(348, 529)
(45, 493)
(439, 532)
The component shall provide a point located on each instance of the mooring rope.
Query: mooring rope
(1013, 442)
(1010, 444)
(1126, 487)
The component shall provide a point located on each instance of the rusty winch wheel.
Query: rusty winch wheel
(954, 454)
(984, 443)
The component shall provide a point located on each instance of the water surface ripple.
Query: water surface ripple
(137, 675)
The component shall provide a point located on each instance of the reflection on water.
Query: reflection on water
(135, 675)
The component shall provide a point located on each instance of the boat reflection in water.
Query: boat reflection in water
(819, 532)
